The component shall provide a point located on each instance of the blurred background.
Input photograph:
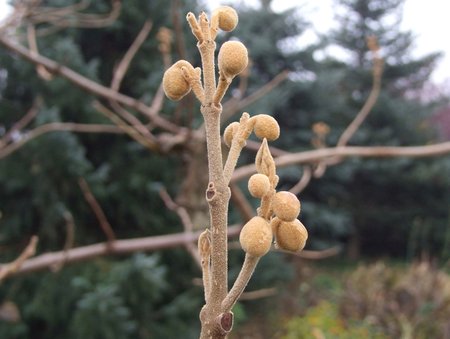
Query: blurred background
(79, 167)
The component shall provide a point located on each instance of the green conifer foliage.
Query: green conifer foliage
(378, 206)
(40, 191)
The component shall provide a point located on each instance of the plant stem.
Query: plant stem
(211, 115)
(238, 143)
(218, 196)
(207, 49)
(222, 87)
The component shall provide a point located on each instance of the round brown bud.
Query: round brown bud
(256, 237)
(232, 58)
(291, 235)
(258, 185)
(286, 205)
(227, 17)
(174, 83)
(229, 132)
(266, 127)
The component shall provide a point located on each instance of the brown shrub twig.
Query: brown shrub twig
(124, 64)
(119, 247)
(88, 84)
(377, 72)
(259, 294)
(233, 105)
(28, 136)
(185, 220)
(14, 266)
(314, 156)
(303, 182)
(21, 123)
(118, 76)
(32, 43)
(68, 244)
(70, 16)
(98, 211)
(364, 112)
(241, 202)
(147, 141)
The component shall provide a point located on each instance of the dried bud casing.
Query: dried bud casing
(266, 127)
(229, 133)
(291, 235)
(232, 58)
(227, 18)
(256, 237)
(286, 205)
(204, 244)
(174, 83)
(259, 185)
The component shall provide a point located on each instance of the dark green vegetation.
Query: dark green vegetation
(371, 208)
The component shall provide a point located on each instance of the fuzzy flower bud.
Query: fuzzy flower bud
(286, 205)
(174, 83)
(229, 133)
(256, 237)
(266, 127)
(232, 58)
(258, 185)
(227, 18)
(291, 235)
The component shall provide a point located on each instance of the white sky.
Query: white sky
(427, 19)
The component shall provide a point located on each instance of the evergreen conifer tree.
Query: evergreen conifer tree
(41, 194)
(370, 202)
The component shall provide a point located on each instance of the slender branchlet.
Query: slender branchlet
(196, 31)
(242, 280)
(204, 26)
(193, 77)
(238, 141)
(232, 60)
(222, 87)
(277, 213)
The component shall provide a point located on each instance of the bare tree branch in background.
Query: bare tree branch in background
(185, 220)
(27, 136)
(119, 247)
(98, 211)
(69, 243)
(90, 86)
(16, 265)
(20, 124)
(314, 156)
(70, 16)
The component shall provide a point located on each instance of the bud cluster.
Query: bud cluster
(289, 233)
(232, 59)
(278, 213)
(264, 126)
